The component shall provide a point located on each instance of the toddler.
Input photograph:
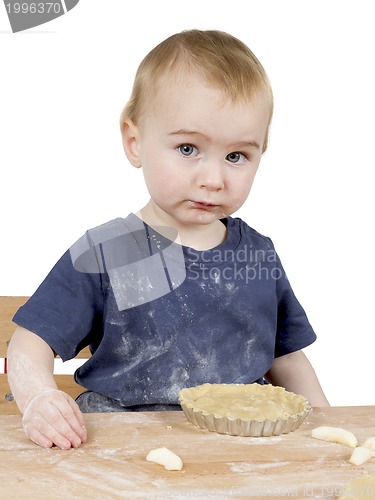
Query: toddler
(179, 293)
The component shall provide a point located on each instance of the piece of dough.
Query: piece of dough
(370, 443)
(165, 457)
(335, 435)
(360, 487)
(360, 455)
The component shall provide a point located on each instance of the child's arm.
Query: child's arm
(50, 417)
(294, 372)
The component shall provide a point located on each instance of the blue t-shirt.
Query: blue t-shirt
(159, 316)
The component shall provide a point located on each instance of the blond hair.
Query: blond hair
(221, 59)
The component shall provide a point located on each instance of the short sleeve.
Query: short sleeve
(65, 310)
(294, 331)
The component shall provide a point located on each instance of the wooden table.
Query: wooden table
(112, 463)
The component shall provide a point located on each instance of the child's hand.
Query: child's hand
(53, 418)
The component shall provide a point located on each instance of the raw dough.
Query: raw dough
(363, 453)
(335, 435)
(166, 457)
(360, 455)
(360, 487)
(370, 443)
(244, 401)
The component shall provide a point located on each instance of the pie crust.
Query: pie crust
(244, 409)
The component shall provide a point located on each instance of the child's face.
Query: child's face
(199, 151)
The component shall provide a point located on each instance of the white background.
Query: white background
(63, 170)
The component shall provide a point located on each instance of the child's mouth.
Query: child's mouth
(203, 205)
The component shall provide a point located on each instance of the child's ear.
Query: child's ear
(130, 141)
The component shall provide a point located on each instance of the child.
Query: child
(180, 293)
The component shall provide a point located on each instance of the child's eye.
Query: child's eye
(236, 157)
(188, 150)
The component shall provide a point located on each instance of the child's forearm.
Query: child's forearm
(50, 417)
(295, 373)
(30, 366)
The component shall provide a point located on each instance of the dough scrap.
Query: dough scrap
(335, 435)
(370, 443)
(360, 487)
(360, 455)
(164, 456)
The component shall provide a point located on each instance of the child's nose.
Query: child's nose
(210, 176)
